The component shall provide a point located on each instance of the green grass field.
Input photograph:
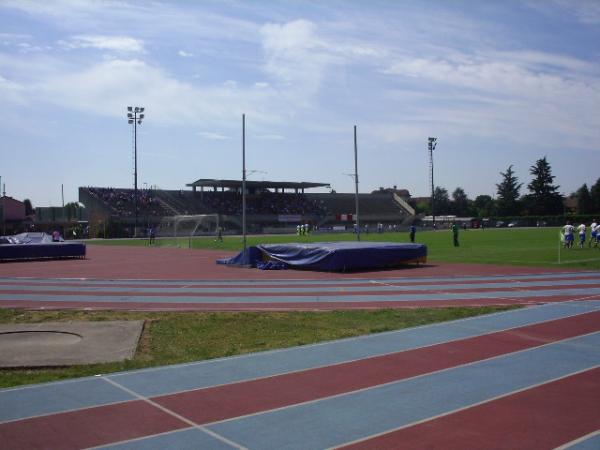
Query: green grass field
(170, 338)
(177, 337)
(519, 246)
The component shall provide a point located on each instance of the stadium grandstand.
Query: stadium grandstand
(271, 206)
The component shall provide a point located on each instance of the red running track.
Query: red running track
(128, 420)
(116, 262)
(534, 419)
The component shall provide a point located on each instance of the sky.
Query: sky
(499, 83)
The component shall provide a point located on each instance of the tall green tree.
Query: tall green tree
(28, 207)
(484, 206)
(595, 194)
(441, 201)
(543, 197)
(460, 202)
(508, 192)
(584, 200)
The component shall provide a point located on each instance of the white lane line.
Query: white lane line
(371, 336)
(579, 440)
(176, 415)
(454, 411)
(403, 380)
(195, 363)
(141, 438)
(81, 408)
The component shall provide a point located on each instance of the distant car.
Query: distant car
(499, 224)
(512, 224)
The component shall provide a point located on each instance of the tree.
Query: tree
(484, 206)
(584, 200)
(544, 198)
(595, 194)
(508, 193)
(460, 202)
(441, 201)
(28, 207)
(423, 207)
(72, 209)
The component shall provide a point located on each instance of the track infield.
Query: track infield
(526, 378)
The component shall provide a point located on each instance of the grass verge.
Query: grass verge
(505, 246)
(174, 337)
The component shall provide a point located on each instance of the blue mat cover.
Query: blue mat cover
(37, 246)
(335, 256)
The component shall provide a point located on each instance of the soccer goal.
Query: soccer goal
(178, 231)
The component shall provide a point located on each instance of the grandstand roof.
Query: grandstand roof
(237, 184)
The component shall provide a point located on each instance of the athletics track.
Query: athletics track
(521, 379)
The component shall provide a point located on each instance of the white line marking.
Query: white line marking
(177, 416)
(577, 441)
(152, 369)
(403, 380)
(454, 411)
(125, 441)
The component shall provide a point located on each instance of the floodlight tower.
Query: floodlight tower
(432, 143)
(135, 115)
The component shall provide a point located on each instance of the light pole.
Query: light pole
(432, 143)
(135, 114)
(356, 185)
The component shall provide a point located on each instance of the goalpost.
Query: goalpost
(178, 231)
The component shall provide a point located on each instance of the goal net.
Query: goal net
(178, 231)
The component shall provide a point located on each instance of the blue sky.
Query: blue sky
(497, 82)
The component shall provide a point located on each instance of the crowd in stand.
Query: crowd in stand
(121, 202)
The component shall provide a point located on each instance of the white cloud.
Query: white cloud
(300, 57)
(11, 91)
(293, 56)
(106, 88)
(261, 85)
(184, 54)
(584, 11)
(115, 43)
(519, 96)
(212, 136)
(269, 137)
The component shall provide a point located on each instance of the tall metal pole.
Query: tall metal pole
(432, 144)
(62, 195)
(135, 189)
(135, 116)
(244, 185)
(2, 206)
(356, 185)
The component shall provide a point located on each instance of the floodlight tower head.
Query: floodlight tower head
(432, 143)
